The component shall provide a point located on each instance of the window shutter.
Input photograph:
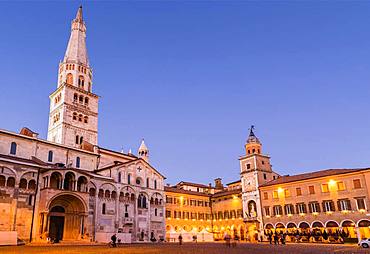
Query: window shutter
(323, 206)
(339, 206)
(297, 208)
(292, 208)
(332, 206)
(310, 207)
(304, 208)
(349, 205)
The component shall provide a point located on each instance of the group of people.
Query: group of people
(278, 238)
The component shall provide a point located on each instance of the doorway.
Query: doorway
(56, 228)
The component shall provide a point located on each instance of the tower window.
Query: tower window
(50, 156)
(77, 139)
(264, 176)
(81, 82)
(75, 97)
(74, 116)
(69, 79)
(254, 150)
(81, 99)
(81, 139)
(86, 101)
(85, 119)
(248, 166)
(13, 148)
(77, 162)
(80, 117)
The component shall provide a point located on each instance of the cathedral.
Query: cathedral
(68, 188)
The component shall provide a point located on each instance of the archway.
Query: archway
(348, 229)
(364, 229)
(66, 218)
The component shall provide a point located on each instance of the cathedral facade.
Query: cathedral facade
(68, 188)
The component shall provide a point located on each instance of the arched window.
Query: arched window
(107, 194)
(75, 97)
(141, 201)
(80, 117)
(81, 99)
(69, 79)
(13, 148)
(81, 82)
(155, 212)
(129, 178)
(85, 119)
(32, 185)
(155, 184)
(103, 208)
(2, 180)
(81, 139)
(147, 182)
(50, 156)
(10, 182)
(119, 177)
(77, 162)
(77, 139)
(86, 101)
(74, 116)
(23, 184)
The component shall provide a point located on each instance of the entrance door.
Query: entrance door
(56, 228)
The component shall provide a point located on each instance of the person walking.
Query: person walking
(276, 239)
(270, 237)
(114, 239)
(180, 239)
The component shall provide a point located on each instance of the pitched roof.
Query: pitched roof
(194, 184)
(177, 190)
(316, 174)
(227, 192)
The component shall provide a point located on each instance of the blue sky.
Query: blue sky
(191, 77)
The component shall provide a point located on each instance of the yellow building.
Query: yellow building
(323, 206)
(328, 205)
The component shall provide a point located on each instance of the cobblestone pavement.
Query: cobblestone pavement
(187, 248)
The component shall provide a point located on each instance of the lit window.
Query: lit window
(287, 193)
(289, 209)
(275, 194)
(340, 186)
(325, 187)
(278, 210)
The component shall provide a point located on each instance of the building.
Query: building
(334, 201)
(323, 206)
(233, 209)
(68, 187)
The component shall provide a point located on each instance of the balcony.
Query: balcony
(156, 219)
(128, 221)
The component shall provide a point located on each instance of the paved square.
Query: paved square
(188, 248)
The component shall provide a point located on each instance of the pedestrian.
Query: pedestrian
(114, 239)
(270, 237)
(180, 239)
(276, 239)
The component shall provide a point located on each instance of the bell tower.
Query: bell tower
(73, 117)
(255, 169)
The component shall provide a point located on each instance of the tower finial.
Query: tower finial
(79, 17)
(251, 133)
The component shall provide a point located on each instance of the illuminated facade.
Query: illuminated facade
(333, 201)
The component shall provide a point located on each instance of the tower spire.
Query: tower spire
(253, 144)
(143, 151)
(76, 50)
